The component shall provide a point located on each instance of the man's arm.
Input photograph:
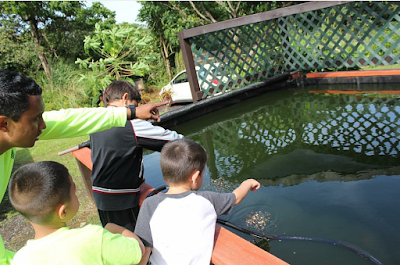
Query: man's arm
(67, 123)
(244, 188)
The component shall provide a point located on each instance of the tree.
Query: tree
(123, 51)
(17, 51)
(55, 26)
(66, 36)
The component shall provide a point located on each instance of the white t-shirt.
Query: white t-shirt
(180, 227)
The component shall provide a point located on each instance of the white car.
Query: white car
(179, 89)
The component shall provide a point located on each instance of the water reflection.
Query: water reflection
(329, 165)
(295, 135)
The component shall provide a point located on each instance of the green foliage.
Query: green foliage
(180, 65)
(123, 51)
(64, 89)
(58, 29)
(17, 51)
(67, 35)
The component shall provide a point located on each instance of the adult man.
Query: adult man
(23, 121)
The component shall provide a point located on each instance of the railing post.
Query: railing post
(197, 94)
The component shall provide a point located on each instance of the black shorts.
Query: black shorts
(126, 218)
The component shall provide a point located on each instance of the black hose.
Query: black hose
(157, 190)
(84, 144)
(346, 245)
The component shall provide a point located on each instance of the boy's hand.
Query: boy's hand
(254, 184)
(244, 188)
(149, 111)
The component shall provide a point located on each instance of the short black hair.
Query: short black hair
(180, 159)
(117, 89)
(37, 189)
(15, 90)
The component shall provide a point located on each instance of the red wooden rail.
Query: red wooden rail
(229, 249)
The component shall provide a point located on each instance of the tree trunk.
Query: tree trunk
(165, 55)
(39, 48)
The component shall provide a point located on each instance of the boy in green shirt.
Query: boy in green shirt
(23, 121)
(44, 193)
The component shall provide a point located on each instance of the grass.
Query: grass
(48, 150)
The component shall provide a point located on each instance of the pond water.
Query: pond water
(327, 159)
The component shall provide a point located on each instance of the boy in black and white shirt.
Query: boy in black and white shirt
(117, 156)
(179, 226)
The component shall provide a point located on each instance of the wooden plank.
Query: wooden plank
(229, 248)
(259, 17)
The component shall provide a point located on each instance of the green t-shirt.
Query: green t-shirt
(62, 124)
(89, 245)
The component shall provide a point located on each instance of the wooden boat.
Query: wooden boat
(229, 248)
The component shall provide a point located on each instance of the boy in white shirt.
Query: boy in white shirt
(179, 226)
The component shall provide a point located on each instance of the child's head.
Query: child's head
(116, 91)
(180, 159)
(43, 192)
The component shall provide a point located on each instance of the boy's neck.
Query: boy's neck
(45, 230)
(178, 189)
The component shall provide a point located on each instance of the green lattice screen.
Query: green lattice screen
(350, 35)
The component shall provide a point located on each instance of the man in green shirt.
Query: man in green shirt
(23, 121)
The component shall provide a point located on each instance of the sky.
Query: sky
(125, 11)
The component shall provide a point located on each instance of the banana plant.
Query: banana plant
(121, 51)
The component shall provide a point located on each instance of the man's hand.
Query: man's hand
(149, 111)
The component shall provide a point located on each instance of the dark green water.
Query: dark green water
(328, 163)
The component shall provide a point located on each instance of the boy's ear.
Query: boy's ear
(195, 177)
(125, 96)
(62, 211)
(3, 124)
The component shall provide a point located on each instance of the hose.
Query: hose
(346, 245)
